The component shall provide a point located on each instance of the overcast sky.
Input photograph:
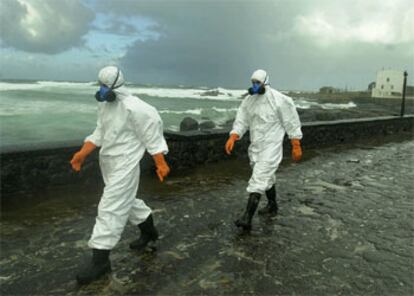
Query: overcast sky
(303, 44)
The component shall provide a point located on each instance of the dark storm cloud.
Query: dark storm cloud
(201, 42)
(302, 44)
(43, 26)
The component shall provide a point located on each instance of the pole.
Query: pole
(403, 94)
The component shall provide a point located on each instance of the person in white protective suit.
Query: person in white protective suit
(126, 128)
(268, 115)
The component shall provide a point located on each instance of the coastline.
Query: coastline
(37, 168)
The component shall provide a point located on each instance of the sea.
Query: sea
(35, 112)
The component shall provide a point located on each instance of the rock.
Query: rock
(329, 185)
(227, 124)
(188, 124)
(214, 93)
(300, 111)
(355, 160)
(208, 124)
(211, 92)
(376, 256)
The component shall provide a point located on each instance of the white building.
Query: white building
(389, 84)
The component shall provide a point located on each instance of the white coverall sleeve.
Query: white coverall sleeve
(151, 132)
(290, 118)
(241, 124)
(96, 136)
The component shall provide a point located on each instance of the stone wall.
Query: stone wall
(33, 168)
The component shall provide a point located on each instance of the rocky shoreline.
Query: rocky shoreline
(365, 107)
(29, 169)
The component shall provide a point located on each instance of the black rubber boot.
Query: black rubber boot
(271, 207)
(99, 266)
(246, 220)
(148, 234)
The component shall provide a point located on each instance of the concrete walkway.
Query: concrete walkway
(345, 227)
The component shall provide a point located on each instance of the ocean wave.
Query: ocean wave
(190, 111)
(222, 110)
(198, 111)
(173, 128)
(5, 86)
(329, 106)
(82, 87)
(35, 108)
(303, 103)
(55, 85)
(220, 94)
(67, 84)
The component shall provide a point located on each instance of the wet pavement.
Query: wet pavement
(345, 226)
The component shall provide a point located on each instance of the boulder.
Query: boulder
(227, 124)
(208, 124)
(188, 124)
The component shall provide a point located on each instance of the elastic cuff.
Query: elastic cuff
(235, 136)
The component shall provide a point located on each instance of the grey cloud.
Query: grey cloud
(201, 42)
(222, 42)
(44, 26)
(118, 27)
(219, 43)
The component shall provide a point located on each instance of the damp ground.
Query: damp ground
(345, 226)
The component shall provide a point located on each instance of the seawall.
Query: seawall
(37, 167)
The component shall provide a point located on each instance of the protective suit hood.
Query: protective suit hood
(260, 75)
(122, 92)
(107, 76)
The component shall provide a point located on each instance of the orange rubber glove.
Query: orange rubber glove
(230, 143)
(162, 167)
(80, 156)
(296, 149)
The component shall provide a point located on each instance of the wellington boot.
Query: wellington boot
(148, 234)
(96, 268)
(271, 207)
(245, 220)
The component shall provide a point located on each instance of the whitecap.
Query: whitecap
(189, 93)
(223, 110)
(6, 86)
(303, 103)
(55, 85)
(338, 106)
(66, 84)
(190, 111)
(44, 107)
(173, 128)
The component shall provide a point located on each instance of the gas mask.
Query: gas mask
(257, 88)
(106, 94)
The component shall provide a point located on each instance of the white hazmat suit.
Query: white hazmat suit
(268, 117)
(125, 129)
